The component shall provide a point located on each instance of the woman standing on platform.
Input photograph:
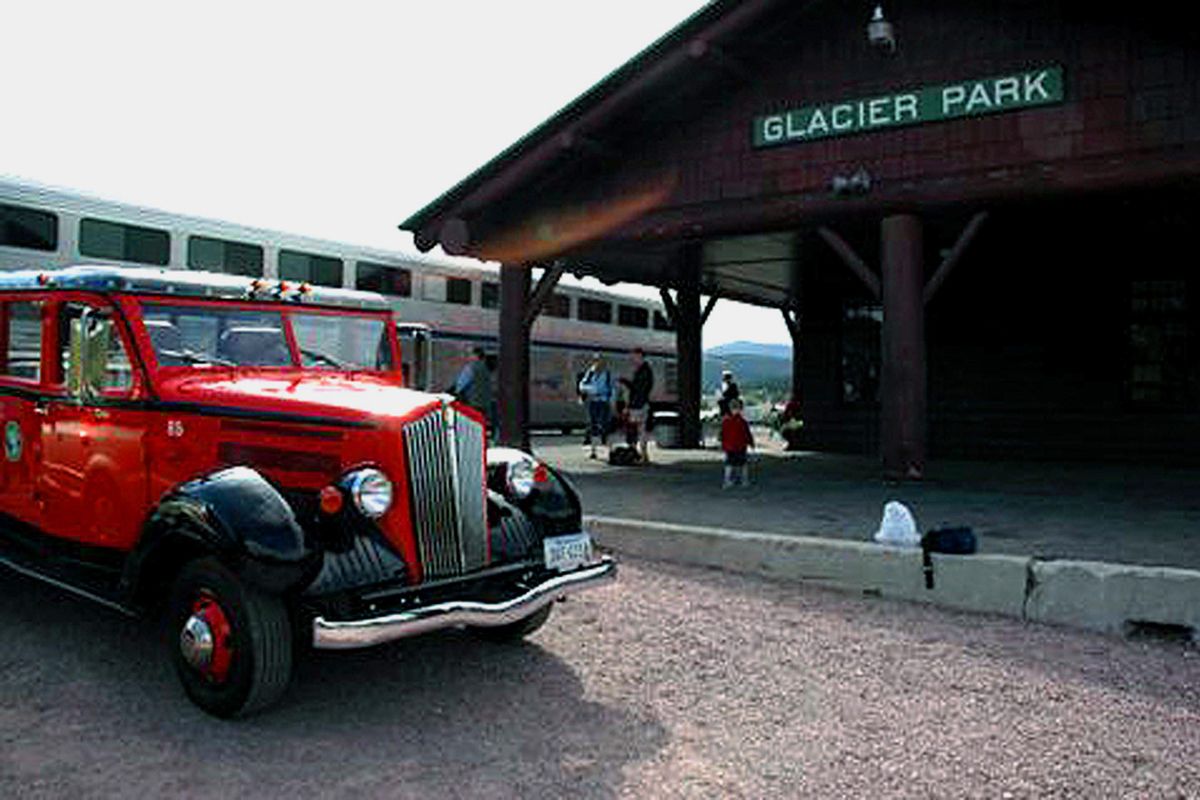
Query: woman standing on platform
(597, 387)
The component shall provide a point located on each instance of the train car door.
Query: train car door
(93, 477)
(416, 355)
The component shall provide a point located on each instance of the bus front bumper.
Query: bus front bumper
(351, 634)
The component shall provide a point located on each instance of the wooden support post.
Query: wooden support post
(903, 388)
(708, 308)
(688, 346)
(514, 356)
(791, 318)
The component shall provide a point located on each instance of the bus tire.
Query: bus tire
(231, 643)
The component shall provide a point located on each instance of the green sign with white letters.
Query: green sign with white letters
(973, 98)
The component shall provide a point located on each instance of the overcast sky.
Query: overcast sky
(334, 120)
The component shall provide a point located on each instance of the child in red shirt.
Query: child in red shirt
(735, 441)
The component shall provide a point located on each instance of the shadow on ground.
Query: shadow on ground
(90, 706)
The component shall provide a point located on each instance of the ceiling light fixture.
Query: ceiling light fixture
(880, 32)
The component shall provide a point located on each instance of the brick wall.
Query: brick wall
(1132, 89)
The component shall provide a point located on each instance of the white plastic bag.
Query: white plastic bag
(898, 526)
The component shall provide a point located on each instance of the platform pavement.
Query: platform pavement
(1088, 545)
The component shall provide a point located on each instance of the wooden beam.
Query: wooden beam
(954, 256)
(573, 142)
(424, 240)
(852, 260)
(703, 50)
(670, 307)
(541, 294)
(506, 181)
(712, 302)
(455, 237)
(791, 318)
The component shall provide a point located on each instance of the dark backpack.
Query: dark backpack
(959, 541)
(623, 456)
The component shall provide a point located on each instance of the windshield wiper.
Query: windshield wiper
(192, 357)
(327, 359)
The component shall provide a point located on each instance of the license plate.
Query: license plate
(567, 552)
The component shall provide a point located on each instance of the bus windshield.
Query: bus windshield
(209, 335)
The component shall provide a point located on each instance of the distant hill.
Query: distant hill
(783, 351)
(754, 366)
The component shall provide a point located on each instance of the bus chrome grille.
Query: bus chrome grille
(445, 457)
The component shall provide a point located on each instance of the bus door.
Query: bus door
(93, 471)
(21, 329)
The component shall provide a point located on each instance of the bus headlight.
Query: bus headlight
(371, 492)
(525, 475)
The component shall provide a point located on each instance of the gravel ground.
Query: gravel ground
(675, 682)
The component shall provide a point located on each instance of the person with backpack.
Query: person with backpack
(597, 387)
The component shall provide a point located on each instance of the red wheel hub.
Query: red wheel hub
(206, 640)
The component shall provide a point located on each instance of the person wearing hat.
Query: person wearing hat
(597, 387)
(729, 391)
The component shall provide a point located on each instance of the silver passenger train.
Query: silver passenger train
(445, 306)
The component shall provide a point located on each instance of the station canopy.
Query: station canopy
(602, 187)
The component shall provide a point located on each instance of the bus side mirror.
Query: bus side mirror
(75, 356)
(89, 343)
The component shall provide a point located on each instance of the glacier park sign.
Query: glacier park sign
(1038, 87)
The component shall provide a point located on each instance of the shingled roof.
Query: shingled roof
(628, 85)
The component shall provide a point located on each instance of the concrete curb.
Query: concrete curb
(1112, 597)
(1081, 594)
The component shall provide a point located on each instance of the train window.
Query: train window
(383, 278)
(23, 334)
(433, 288)
(670, 376)
(458, 291)
(220, 255)
(100, 238)
(559, 305)
(661, 323)
(594, 310)
(633, 317)
(489, 294)
(321, 270)
(28, 228)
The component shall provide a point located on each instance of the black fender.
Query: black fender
(553, 507)
(234, 514)
(557, 504)
(514, 535)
